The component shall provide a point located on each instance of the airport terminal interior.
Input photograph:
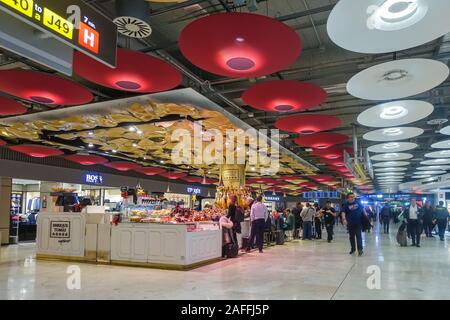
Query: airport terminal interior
(224, 150)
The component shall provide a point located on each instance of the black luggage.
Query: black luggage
(230, 250)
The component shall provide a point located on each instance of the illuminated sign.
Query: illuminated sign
(93, 178)
(271, 198)
(194, 190)
(71, 21)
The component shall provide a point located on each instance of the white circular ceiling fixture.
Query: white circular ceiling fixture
(391, 169)
(398, 79)
(395, 113)
(391, 164)
(422, 176)
(441, 145)
(381, 26)
(392, 157)
(438, 154)
(430, 168)
(392, 147)
(445, 130)
(390, 174)
(431, 172)
(393, 134)
(435, 162)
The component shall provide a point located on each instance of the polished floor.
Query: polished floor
(296, 270)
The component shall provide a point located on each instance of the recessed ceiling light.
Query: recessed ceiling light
(90, 145)
(131, 129)
(90, 133)
(134, 145)
(114, 151)
(393, 112)
(139, 132)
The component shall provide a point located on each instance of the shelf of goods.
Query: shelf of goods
(173, 239)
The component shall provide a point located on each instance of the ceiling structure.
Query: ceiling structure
(321, 62)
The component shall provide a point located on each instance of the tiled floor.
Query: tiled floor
(297, 270)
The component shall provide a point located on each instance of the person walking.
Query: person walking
(386, 214)
(307, 217)
(413, 215)
(329, 215)
(441, 216)
(428, 216)
(352, 215)
(258, 217)
(298, 219)
(317, 222)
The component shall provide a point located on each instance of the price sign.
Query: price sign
(73, 22)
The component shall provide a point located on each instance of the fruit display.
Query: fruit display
(176, 215)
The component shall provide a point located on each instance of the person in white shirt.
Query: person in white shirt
(258, 217)
(413, 215)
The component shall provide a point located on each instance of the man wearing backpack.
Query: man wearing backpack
(441, 218)
(386, 213)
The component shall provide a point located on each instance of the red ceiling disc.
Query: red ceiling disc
(86, 159)
(321, 140)
(323, 178)
(308, 123)
(210, 181)
(193, 179)
(2, 142)
(284, 96)
(331, 153)
(9, 107)
(307, 185)
(240, 44)
(43, 88)
(135, 72)
(150, 171)
(37, 151)
(334, 163)
(291, 178)
(173, 175)
(122, 165)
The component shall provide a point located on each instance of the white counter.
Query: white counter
(68, 236)
(165, 245)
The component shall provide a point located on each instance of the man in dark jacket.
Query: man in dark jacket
(441, 218)
(386, 214)
(428, 214)
(298, 220)
(352, 215)
(413, 214)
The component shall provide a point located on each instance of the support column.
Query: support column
(5, 207)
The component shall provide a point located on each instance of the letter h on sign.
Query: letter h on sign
(89, 38)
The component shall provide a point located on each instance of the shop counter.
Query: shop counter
(72, 236)
(165, 245)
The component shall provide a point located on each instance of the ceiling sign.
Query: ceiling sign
(71, 21)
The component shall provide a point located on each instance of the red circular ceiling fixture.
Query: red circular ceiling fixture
(331, 153)
(36, 151)
(291, 178)
(43, 88)
(284, 96)
(135, 72)
(308, 123)
(86, 159)
(9, 107)
(2, 142)
(335, 163)
(323, 178)
(193, 179)
(173, 175)
(150, 171)
(239, 45)
(122, 165)
(308, 185)
(321, 140)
